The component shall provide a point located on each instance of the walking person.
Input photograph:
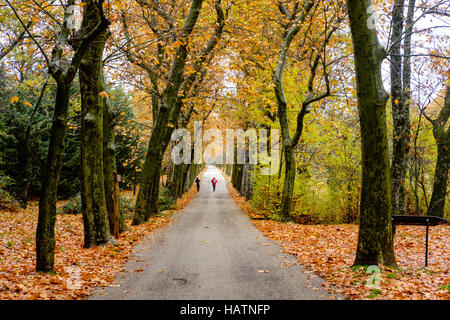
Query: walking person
(197, 182)
(214, 182)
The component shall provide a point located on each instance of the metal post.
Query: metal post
(426, 246)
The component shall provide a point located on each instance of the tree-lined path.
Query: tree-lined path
(212, 251)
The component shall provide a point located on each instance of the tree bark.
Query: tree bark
(400, 113)
(406, 77)
(45, 233)
(64, 75)
(110, 165)
(148, 195)
(375, 240)
(289, 182)
(93, 201)
(178, 180)
(442, 137)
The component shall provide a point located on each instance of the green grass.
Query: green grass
(374, 293)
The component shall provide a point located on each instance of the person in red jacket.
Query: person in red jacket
(214, 182)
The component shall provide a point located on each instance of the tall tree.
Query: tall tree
(375, 240)
(109, 162)
(287, 142)
(168, 111)
(400, 112)
(177, 84)
(93, 200)
(317, 60)
(64, 74)
(441, 133)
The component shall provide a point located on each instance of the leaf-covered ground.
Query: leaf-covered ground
(98, 266)
(329, 251)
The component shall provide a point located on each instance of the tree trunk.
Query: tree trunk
(288, 142)
(228, 169)
(442, 137)
(437, 203)
(289, 182)
(400, 114)
(109, 166)
(166, 119)
(148, 195)
(45, 233)
(375, 240)
(27, 172)
(247, 181)
(178, 180)
(93, 203)
(405, 137)
(64, 75)
(236, 177)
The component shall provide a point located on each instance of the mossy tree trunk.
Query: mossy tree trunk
(178, 179)
(148, 195)
(289, 182)
(93, 201)
(110, 165)
(45, 233)
(442, 137)
(64, 74)
(375, 240)
(236, 177)
(400, 105)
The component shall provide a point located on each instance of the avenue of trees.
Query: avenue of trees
(359, 90)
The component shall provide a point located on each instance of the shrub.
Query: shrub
(73, 206)
(7, 202)
(166, 201)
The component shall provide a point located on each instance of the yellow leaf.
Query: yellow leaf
(14, 99)
(177, 44)
(103, 94)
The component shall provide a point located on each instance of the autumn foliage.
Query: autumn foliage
(328, 251)
(98, 265)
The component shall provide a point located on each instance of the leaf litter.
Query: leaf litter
(97, 266)
(329, 252)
